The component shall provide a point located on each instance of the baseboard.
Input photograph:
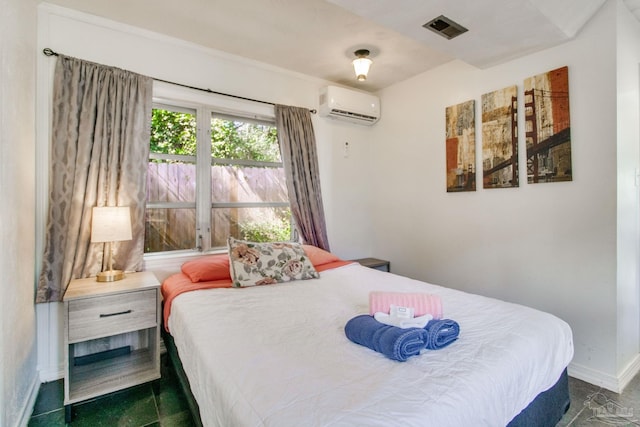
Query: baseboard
(610, 382)
(51, 373)
(629, 372)
(27, 409)
(592, 376)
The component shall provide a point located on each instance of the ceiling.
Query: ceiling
(318, 37)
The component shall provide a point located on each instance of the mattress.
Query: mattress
(277, 356)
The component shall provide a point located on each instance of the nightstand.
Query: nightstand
(111, 336)
(378, 264)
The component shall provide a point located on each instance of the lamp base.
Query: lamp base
(110, 276)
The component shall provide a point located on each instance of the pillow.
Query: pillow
(205, 269)
(253, 264)
(319, 256)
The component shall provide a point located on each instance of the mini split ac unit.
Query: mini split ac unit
(344, 104)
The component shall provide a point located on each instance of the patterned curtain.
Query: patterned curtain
(99, 153)
(298, 148)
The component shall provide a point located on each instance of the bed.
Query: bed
(277, 355)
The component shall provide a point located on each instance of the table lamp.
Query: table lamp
(110, 224)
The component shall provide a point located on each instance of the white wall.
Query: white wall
(18, 375)
(628, 111)
(551, 246)
(344, 180)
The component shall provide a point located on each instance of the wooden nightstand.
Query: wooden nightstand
(378, 264)
(111, 336)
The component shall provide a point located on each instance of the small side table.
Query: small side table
(111, 336)
(378, 264)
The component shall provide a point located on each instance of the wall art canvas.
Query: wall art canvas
(547, 127)
(461, 147)
(500, 138)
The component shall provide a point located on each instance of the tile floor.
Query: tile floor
(141, 406)
(595, 406)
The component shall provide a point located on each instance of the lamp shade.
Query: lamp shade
(111, 224)
(361, 64)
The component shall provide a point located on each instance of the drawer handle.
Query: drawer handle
(115, 314)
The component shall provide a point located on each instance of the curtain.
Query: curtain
(298, 148)
(99, 152)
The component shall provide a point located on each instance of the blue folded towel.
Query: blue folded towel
(441, 333)
(395, 343)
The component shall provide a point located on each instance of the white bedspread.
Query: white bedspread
(277, 356)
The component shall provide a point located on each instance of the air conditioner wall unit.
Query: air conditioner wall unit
(348, 105)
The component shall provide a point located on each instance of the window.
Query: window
(210, 176)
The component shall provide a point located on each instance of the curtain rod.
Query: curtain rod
(50, 52)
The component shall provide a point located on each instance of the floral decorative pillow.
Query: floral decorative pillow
(254, 264)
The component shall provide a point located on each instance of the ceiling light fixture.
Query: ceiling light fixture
(361, 64)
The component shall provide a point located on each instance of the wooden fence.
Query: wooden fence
(175, 228)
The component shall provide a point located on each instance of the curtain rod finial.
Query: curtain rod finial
(49, 52)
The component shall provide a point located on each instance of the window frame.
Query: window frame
(206, 107)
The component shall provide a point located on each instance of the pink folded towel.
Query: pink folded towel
(421, 303)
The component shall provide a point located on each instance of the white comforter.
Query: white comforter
(277, 356)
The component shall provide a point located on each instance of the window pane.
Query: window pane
(247, 184)
(169, 229)
(173, 132)
(171, 181)
(269, 224)
(244, 140)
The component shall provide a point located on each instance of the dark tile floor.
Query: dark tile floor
(142, 406)
(595, 406)
(139, 406)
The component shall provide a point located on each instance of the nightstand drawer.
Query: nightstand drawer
(111, 314)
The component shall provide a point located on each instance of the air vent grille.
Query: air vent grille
(445, 27)
(351, 114)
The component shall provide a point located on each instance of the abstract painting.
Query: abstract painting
(500, 138)
(461, 147)
(547, 127)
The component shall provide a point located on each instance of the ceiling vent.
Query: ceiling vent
(445, 27)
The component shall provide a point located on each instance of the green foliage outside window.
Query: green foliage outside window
(267, 231)
(242, 140)
(175, 133)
